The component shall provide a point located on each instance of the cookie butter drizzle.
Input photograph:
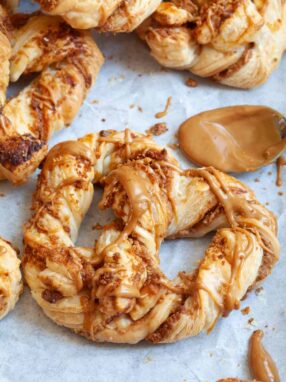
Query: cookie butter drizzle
(261, 364)
(239, 214)
(279, 164)
(163, 113)
(139, 198)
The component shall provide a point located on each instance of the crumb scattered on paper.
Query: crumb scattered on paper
(251, 322)
(245, 310)
(191, 83)
(259, 291)
(157, 129)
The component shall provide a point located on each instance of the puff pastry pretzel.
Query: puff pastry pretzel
(236, 42)
(10, 278)
(69, 62)
(106, 15)
(116, 292)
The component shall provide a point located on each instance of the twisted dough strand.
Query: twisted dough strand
(69, 62)
(236, 42)
(116, 292)
(10, 278)
(105, 15)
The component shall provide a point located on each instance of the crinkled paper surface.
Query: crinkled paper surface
(130, 89)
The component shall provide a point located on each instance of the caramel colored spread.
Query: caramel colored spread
(261, 364)
(139, 198)
(241, 216)
(280, 163)
(233, 139)
(73, 148)
(163, 113)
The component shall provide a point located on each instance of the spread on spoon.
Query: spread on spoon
(235, 138)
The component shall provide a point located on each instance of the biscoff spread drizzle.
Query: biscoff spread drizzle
(139, 198)
(279, 164)
(261, 364)
(243, 218)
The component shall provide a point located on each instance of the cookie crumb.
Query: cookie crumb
(245, 311)
(157, 129)
(259, 291)
(251, 321)
(191, 83)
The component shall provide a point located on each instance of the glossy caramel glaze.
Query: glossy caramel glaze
(261, 364)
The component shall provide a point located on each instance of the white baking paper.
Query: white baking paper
(130, 89)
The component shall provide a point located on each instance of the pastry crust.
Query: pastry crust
(116, 291)
(235, 42)
(105, 15)
(10, 278)
(68, 62)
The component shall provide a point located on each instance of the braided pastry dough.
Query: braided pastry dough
(69, 62)
(106, 15)
(116, 292)
(236, 42)
(10, 278)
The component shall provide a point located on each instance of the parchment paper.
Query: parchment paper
(130, 89)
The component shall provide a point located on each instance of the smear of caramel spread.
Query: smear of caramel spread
(279, 164)
(261, 364)
(234, 139)
(163, 113)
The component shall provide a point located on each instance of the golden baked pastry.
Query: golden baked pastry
(5, 53)
(116, 291)
(10, 278)
(68, 62)
(236, 42)
(106, 15)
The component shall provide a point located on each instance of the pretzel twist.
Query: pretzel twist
(69, 62)
(235, 42)
(10, 278)
(107, 16)
(116, 291)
